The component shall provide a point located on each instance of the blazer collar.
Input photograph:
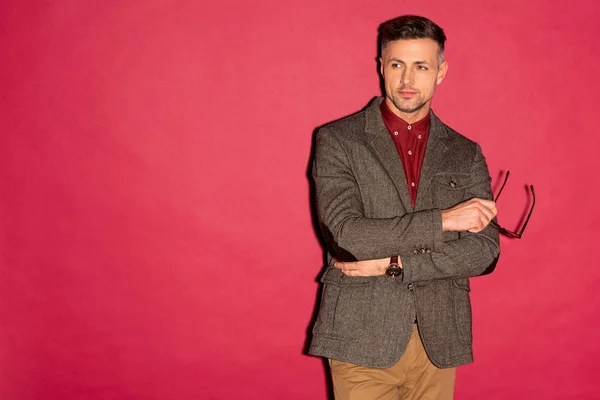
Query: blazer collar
(374, 122)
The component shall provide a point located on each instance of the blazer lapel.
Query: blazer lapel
(385, 150)
(434, 156)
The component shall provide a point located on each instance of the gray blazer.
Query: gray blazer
(365, 212)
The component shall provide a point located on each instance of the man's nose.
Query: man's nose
(407, 76)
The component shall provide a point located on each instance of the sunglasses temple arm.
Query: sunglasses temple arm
(502, 187)
(530, 210)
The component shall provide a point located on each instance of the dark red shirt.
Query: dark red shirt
(411, 141)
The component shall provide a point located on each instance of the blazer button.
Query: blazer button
(452, 184)
(410, 286)
(422, 250)
(428, 250)
(415, 252)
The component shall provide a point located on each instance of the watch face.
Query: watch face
(393, 270)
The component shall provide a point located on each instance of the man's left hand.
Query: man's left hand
(364, 268)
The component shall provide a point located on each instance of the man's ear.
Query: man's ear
(442, 72)
(381, 66)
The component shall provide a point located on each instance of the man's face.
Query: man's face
(410, 71)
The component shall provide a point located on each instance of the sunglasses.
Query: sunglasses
(508, 232)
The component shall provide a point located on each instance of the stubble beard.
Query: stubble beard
(408, 110)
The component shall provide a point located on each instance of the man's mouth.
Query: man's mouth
(407, 93)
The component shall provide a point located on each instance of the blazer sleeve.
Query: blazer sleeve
(350, 236)
(472, 254)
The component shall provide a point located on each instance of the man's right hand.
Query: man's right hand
(472, 215)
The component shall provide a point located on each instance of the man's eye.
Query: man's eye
(396, 65)
(422, 67)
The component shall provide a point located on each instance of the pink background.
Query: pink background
(156, 237)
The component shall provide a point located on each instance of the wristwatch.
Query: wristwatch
(394, 269)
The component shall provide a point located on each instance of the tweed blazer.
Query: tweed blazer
(365, 212)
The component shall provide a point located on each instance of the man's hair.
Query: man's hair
(409, 27)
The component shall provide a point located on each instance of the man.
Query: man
(404, 205)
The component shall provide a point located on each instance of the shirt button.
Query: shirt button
(412, 184)
(410, 153)
(409, 127)
(419, 136)
(396, 133)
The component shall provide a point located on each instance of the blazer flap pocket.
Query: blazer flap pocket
(452, 181)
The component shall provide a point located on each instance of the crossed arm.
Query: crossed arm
(369, 242)
(472, 215)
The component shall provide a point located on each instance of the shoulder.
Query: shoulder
(460, 140)
(457, 140)
(347, 126)
(354, 125)
(460, 151)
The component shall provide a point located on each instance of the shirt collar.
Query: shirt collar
(395, 123)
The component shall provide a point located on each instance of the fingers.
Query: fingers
(362, 268)
(472, 215)
(485, 211)
(347, 268)
(486, 203)
(342, 265)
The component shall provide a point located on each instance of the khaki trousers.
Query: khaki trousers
(414, 377)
